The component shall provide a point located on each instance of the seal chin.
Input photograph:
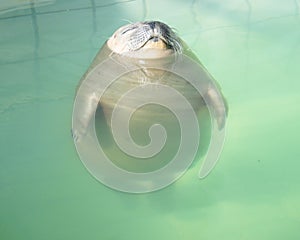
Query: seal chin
(149, 53)
(151, 49)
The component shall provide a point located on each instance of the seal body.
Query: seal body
(145, 44)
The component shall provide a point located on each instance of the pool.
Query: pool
(252, 48)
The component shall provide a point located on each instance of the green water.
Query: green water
(253, 50)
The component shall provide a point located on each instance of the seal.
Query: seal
(140, 106)
(148, 43)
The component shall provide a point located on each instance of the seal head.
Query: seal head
(150, 39)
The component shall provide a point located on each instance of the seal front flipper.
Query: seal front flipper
(216, 100)
(88, 104)
(102, 129)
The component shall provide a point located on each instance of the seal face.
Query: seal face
(141, 36)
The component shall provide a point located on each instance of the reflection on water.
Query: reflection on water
(7, 6)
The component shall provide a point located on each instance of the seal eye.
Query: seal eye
(128, 29)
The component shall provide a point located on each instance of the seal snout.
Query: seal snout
(157, 31)
(155, 28)
(162, 32)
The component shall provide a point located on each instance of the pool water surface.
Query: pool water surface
(252, 48)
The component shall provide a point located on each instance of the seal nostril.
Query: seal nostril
(155, 39)
(152, 25)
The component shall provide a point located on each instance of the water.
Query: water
(252, 48)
